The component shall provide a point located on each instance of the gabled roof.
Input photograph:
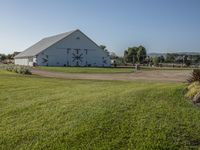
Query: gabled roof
(43, 44)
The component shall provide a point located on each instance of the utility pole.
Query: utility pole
(183, 60)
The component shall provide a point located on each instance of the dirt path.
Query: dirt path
(154, 75)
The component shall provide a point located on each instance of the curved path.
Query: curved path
(153, 75)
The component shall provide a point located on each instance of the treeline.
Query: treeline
(7, 58)
(176, 58)
(138, 55)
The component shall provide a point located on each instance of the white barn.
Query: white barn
(67, 49)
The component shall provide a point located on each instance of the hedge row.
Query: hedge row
(17, 69)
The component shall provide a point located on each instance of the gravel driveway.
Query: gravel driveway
(153, 75)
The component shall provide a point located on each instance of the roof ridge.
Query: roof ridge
(60, 34)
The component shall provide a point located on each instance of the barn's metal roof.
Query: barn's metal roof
(43, 44)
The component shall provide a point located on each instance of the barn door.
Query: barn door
(77, 57)
(68, 63)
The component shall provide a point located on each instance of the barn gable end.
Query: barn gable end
(67, 49)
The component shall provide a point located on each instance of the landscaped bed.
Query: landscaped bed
(43, 113)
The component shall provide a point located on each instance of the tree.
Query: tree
(113, 55)
(162, 59)
(170, 58)
(141, 54)
(10, 56)
(132, 54)
(148, 60)
(125, 56)
(2, 57)
(186, 60)
(156, 60)
(102, 47)
(135, 54)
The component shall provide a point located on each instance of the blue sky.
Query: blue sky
(159, 25)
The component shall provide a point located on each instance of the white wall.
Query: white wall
(25, 61)
(62, 53)
(21, 61)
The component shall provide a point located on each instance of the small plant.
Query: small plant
(193, 89)
(195, 76)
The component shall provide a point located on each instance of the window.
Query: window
(78, 38)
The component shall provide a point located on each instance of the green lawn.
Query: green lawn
(87, 69)
(45, 113)
(165, 68)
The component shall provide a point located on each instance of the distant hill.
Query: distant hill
(181, 53)
(156, 54)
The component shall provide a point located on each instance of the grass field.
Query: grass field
(45, 113)
(87, 69)
(92, 70)
(165, 68)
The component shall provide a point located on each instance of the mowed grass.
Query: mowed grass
(166, 68)
(87, 69)
(45, 113)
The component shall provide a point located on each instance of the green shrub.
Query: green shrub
(195, 76)
(24, 70)
(17, 69)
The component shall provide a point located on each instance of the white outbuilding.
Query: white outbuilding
(67, 49)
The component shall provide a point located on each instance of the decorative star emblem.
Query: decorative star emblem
(77, 57)
(45, 59)
(104, 61)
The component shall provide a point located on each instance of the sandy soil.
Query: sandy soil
(153, 75)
